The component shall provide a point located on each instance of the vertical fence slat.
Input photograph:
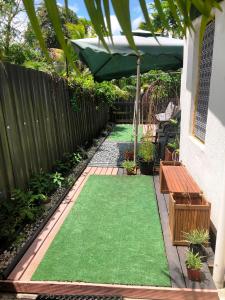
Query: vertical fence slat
(38, 125)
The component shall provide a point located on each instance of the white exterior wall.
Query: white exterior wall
(205, 162)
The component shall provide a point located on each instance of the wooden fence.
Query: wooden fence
(123, 111)
(38, 125)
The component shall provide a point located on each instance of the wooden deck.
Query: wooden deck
(20, 278)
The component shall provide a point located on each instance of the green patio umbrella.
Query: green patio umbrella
(163, 54)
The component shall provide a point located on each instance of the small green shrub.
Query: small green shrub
(146, 151)
(17, 211)
(193, 261)
(41, 183)
(57, 179)
(197, 236)
(128, 165)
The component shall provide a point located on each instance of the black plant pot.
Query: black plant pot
(146, 167)
(198, 248)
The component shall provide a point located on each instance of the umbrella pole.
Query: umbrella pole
(136, 109)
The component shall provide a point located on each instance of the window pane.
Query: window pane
(205, 68)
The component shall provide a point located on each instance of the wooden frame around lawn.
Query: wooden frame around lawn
(19, 281)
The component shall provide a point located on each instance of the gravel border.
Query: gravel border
(110, 154)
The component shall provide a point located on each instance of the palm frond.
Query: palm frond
(122, 11)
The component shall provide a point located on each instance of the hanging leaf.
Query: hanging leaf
(159, 8)
(122, 11)
(147, 18)
(174, 10)
(98, 26)
(108, 19)
(53, 14)
(30, 9)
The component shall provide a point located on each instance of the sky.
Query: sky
(135, 10)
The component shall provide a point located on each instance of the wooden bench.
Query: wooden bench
(174, 178)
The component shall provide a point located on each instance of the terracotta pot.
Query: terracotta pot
(168, 154)
(129, 155)
(194, 275)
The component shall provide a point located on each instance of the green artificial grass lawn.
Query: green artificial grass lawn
(124, 133)
(112, 235)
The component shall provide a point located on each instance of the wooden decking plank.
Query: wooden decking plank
(179, 180)
(109, 171)
(79, 288)
(176, 273)
(98, 170)
(114, 171)
(103, 171)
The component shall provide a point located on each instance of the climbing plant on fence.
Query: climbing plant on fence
(38, 123)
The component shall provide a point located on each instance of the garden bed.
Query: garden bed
(9, 257)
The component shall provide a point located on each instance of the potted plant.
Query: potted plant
(146, 157)
(171, 149)
(129, 166)
(193, 264)
(197, 238)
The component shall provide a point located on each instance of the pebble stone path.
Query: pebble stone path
(110, 154)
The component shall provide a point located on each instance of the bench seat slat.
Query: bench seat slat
(179, 180)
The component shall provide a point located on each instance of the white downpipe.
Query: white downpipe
(136, 109)
(219, 260)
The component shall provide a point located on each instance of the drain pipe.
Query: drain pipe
(219, 260)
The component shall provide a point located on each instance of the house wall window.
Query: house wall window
(205, 69)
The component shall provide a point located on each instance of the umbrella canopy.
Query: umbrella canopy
(162, 54)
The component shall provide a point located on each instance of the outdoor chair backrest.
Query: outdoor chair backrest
(171, 109)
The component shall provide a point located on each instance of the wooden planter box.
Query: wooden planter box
(186, 213)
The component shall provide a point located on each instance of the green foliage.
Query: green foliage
(47, 26)
(25, 205)
(197, 236)
(173, 145)
(9, 23)
(163, 84)
(193, 261)
(41, 183)
(15, 212)
(146, 151)
(68, 161)
(39, 66)
(57, 179)
(159, 24)
(128, 165)
(105, 91)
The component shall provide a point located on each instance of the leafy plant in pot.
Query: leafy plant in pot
(193, 264)
(197, 238)
(129, 166)
(146, 157)
(172, 150)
